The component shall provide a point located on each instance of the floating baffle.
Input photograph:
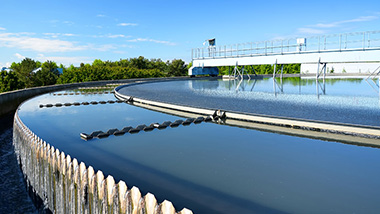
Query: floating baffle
(143, 127)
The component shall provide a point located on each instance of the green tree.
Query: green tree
(177, 68)
(9, 81)
(47, 75)
(98, 62)
(24, 71)
(140, 62)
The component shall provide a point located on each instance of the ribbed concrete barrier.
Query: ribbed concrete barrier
(63, 184)
(66, 186)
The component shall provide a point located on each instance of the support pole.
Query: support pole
(319, 62)
(274, 70)
(253, 70)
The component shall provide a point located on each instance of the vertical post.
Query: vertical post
(317, 75)
(272, 46)
(242, 72)
(274, 70)
(282, 69)
(324, 76)
(288, 45)
(345, 43)
(363, 40)
(340, 42)
(265, 47)
(251, 49)
(257, 48)
(319, 43)
(369, 40)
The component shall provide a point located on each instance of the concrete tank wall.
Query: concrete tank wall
(66, 186)
(63, 184)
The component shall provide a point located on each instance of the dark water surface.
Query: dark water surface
(211, 168)
(352, 101)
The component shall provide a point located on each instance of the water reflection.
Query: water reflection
(291, 85)
(211, 168)
(337, 100)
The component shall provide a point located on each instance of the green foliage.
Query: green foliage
(23, 75)
(24, 71)
(177, 68)
(9, 81)
(48, 74)
(262, 69)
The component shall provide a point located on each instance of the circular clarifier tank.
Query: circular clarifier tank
(210, 167)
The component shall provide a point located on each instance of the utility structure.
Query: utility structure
(357, 47)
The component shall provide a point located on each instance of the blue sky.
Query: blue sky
(71, 32)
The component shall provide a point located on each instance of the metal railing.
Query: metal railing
(324, 43)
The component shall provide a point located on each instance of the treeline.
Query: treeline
(25, 75)
(262, 69)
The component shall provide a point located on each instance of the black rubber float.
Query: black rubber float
(137, 129)
(103, 135)
(95, 133)
(188, 121)
(85, 136)
(176, 123)
(112, 131)
(199, 120)
(164, 125)
(208, 119)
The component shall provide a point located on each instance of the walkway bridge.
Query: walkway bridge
(358, 47)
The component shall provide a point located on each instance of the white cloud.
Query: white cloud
(56, 35)
(68, 23)
(25, 42)
(310, 31)
(1, 28)
(101, 15)
(338, 23)
(65, 60)
(151, 40)
(7, 64)
(19, 56)
(112, 36)
(127, 24)
(105, 47)
(321, 28)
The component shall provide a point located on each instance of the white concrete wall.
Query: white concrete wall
(364, 68)
(358, 56)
